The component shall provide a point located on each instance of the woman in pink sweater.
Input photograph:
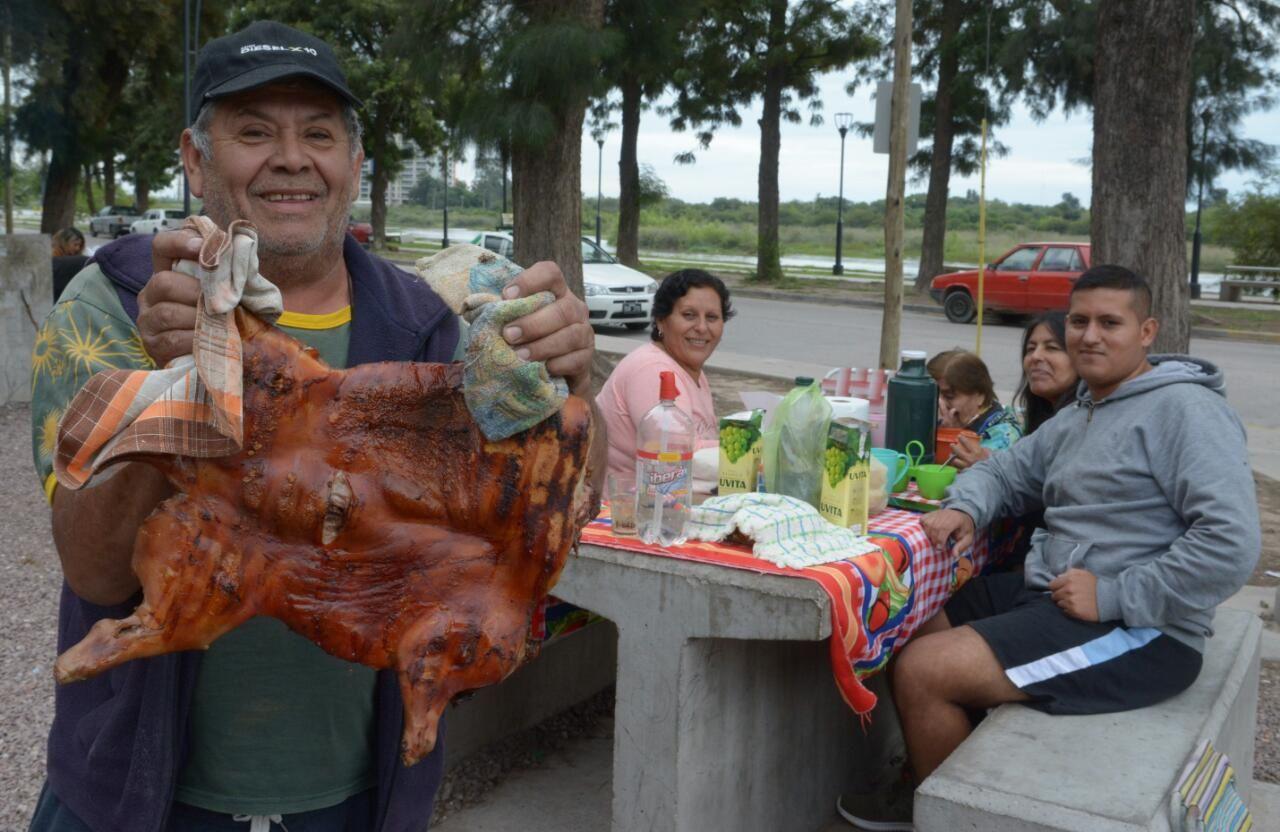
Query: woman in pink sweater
(690, 309)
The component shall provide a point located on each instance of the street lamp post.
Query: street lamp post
(444, 243)
(599, 177)
(1195, 239)
(843, 122)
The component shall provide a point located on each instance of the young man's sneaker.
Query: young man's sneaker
(888, 810)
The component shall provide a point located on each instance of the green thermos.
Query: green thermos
(912, 412)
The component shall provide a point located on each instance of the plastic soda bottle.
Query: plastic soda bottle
(664, 468)
(913, 405)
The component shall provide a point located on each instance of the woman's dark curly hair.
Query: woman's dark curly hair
(1035, 409)
(676, 285)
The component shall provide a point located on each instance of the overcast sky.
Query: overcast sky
(1043, 160)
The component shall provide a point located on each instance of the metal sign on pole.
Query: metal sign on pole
(884, 100)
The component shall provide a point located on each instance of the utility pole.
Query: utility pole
(891, 325)
(186, 96)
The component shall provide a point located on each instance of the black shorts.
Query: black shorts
(1065, 665)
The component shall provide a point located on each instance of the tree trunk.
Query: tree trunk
(58, 209)
(768, 256)
(88, 189)
(1142, 83)
(546, 186)
(109, 178)
(378, 205)
(142, 192)
(933, 245)
(628, 247)
(546, 181)
(891, 325)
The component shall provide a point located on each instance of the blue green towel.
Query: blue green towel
(505, 394)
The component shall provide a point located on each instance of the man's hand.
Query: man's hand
(968, 451)
(1076, 593)
(167, 304)
(558, 334)
(951, 527)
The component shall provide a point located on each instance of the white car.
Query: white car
(616, 294)
(157, 220)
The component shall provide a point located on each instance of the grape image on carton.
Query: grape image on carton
(741, 446)
(846, 476)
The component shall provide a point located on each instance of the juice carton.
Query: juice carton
(846, 478)
(741, 447)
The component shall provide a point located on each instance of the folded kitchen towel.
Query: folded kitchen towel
(505, 393)
(785, 531)
(194, 406)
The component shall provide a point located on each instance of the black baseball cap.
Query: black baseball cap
(261, 53)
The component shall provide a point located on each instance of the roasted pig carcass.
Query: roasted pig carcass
(368, 513)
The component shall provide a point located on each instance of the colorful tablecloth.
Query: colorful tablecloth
(878, 600)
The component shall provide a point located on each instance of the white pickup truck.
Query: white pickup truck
(156, 220)
(113, 221)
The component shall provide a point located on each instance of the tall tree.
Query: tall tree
(741, 49)
(77, 84)
(1233, 71)
(958, 47)
(523, 72)
(374, 45)
(647, 55)
(1142, 86)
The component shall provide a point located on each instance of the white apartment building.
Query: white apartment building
(413, 168)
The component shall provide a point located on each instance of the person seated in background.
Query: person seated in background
(690, 310)
(1049, 381)
(967, 399)
(935, 365)
(1151, 522)
(68, 258)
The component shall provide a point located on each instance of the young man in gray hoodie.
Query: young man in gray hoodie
(1151, 521)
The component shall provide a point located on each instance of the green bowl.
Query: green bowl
(933, 480)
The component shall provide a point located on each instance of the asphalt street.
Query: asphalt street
(830, 335)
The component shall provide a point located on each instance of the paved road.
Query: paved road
(833, 335)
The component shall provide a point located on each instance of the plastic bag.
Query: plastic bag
(794, 444)
(878, 498)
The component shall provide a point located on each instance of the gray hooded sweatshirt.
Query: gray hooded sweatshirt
(1149, 489)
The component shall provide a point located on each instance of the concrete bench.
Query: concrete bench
(568, 670)
(1229, 288)
(1024, 770)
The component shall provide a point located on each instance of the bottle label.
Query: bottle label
(666, 456)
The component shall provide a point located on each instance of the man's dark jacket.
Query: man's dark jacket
(119, 739)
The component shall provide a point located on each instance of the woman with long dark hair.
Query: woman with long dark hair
(1048, 380)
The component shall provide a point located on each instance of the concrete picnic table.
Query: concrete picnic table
(727, 715)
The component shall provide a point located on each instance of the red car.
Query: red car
(1033, 277)
(362, 231)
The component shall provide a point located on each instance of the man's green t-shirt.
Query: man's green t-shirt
(277, 725)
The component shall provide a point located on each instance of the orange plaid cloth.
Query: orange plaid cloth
(193, 407)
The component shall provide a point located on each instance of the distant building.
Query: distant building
(413, 168)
